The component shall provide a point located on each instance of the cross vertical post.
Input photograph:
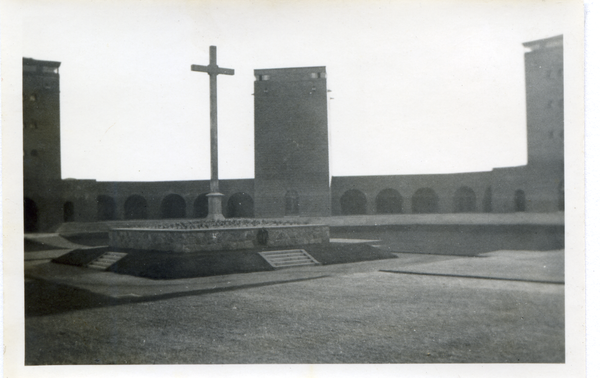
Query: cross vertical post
(215, 211)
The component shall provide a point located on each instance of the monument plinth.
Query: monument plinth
(215, 210)
(207, 236)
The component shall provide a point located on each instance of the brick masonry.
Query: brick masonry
(217, 239)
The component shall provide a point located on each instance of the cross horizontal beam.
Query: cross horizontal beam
(213, 69)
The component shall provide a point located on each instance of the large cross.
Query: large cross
(214, 197)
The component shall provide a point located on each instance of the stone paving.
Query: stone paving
(346, 313)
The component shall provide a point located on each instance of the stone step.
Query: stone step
(288, 258)
(287, 254)
(288, 265)
(296, 264)
(106, 260)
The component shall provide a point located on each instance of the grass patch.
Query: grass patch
(159, 265)
(338, 253)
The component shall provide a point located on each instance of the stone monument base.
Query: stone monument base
(186, 237)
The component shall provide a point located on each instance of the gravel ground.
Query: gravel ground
(353, 314)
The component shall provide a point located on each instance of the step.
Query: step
(295, 264)
(106, 260)
(294, 261)
(288, 258)
(291, 258)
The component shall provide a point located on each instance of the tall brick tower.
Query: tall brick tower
(539, 186)
(41, 144)
(291, 142)
(546, 120)
(545, 105)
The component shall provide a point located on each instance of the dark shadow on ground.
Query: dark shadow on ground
(44, 298)
(48, 298)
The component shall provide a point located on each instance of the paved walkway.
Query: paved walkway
(497, 307)
(347, 313)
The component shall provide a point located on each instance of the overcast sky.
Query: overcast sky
(416, 87)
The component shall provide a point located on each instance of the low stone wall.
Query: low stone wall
(217, 239)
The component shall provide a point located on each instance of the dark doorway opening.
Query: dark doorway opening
(68, 212)
(136, 207)
(31, 214)
(487, 200)
(172, 206)
(292, 203)
(465, 200)
(425, 201)
(240, 205)
(106, 208)
(388, 201)
(520, 201)
(201, 206)
(353, 202)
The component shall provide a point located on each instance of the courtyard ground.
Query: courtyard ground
(503, 306)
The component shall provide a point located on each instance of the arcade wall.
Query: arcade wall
(292, 161)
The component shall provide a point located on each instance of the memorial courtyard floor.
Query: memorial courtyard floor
(496, 307)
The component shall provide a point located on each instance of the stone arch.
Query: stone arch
(353, 202)
(172, 206)
(31, 214)
(425, 200)
(520, 200)
(68, 211)
(240, 205)
(561, 195)
(388, 201)
(136, 207)
(201, 206)
(487, 200)
(106, 208)
(465, 200)
(292, 203)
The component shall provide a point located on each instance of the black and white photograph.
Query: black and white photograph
(293, 188)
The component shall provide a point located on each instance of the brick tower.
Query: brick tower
(291, 142)
(539, 186)
(41, 144)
